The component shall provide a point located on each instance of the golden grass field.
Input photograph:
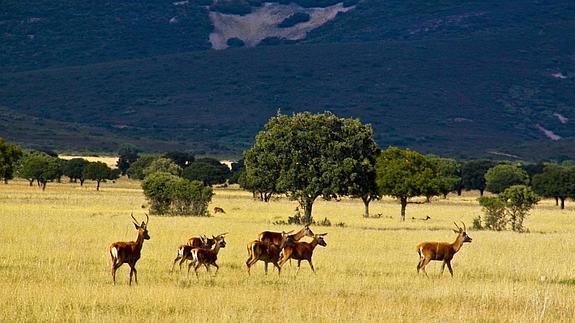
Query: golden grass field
(55, 266)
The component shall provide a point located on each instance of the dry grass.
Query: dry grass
(54, 264)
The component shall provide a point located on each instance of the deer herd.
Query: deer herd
(270, 247)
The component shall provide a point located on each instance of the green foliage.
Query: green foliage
(127, 154)
(99, 172)
(163, 165)
(74, 169)
(511, 207)
(181, 158)
(500, 177)
(9, 156)
(495, 216)
(449, 174)
(172, 195)
(555, 181)
(309, 155)
(473, 174)
(208, 171)
(404, 174)
(238, 168)
(40, 167)
(136, 170)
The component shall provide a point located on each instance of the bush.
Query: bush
(510, 207)
(172, 195)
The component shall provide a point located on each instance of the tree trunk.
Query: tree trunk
(98, 186)
(563, 202)
(31, 182)
(307, 206)
(556, 200)
(428, 199)
(5, 180)
(44, 185)
(403, 206)
(481, 192)
(366, 201)
(459, 189)
(82, 181)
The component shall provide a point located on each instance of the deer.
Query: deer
(301, 251)
(278, 237)
(185, 250)
(129, 252)
(266, 252)
(206, 257)
(441, 251)
(219, 210)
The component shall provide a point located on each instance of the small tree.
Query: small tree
(207, 170)
(74, 169)
(473, 174)
(449, 175)
(40, 167)
(136, 170)
(510, 207)
(500, 177)
(9, 156)
(181, 158)
(404, 174)
(555, 181)
(169, 194)
(127, 154)
(163, 165)
(99, 172)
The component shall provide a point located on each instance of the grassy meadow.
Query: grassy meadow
(55, 266)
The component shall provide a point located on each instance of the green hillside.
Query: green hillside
(463, 79)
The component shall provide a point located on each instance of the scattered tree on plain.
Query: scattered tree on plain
(556, 181)
(40, 167)
(309, 155)
(9, 156)
(473, 174)
(500, 177)
(208, 171)
(74, 169)
(99, 172)
(136, 170)
(510, 207)
(163, 165)
(404, 174)
(127, 154)
(170, 194)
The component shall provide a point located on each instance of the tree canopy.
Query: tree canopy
(309, 155)
(404, 174)
(555, 181)
(99, 171)
(473, 174)
(40, 167)
(9, 156)
(74, 169)
(500, 177)
(208, 171)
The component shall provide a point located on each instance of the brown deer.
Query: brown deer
(301, 251)
(185, 250)
(219, 210)
(442, 251)
(266, 252)
(129, 252)
(277, 238)
(206, 257)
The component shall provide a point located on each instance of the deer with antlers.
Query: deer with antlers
(206, 257)
(277, 238)
(441, 251)
(129, 252)
(301, 251)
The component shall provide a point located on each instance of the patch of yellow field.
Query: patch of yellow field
(108, 160)
(54, 262)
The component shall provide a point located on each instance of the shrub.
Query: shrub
(172, 195)
(495, 218)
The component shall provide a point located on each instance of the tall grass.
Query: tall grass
(54, 264)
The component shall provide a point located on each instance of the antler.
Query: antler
(223, 234)
(135, 221)
(464, 228)
(458, 228)
(147, 219)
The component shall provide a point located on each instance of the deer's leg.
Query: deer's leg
(420, 264)
(217, 268)
(176, 260)
(115, 267)
(443, 267)
(311, 265)
(449, 267)
(278, 267)
(425, 262)
(298, 266)
(131, 273)
(266, 267)
(135, 274)
(196, 269)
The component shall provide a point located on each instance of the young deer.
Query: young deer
(266, 252)
(185, 250)
(442, 251)
(129, 252)
(206, 257)
(301, 251)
